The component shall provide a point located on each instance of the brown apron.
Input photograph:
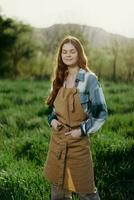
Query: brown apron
(69, 160)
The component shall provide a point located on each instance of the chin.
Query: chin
(69, 63)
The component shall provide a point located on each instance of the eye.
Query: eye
(73, 51)
(64, 52)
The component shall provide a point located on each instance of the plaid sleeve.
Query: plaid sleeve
(50, 115)
(99, 113)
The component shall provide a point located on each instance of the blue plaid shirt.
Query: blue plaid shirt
(92, 100)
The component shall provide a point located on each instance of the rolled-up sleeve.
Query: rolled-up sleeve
(51, 112)
(51, 115)
(99, 112)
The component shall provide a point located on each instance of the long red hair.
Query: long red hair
(61, 70)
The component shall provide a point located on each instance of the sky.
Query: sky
(115, 16)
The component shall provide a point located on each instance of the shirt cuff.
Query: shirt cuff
(83, 133)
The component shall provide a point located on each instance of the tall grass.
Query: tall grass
(25, 136)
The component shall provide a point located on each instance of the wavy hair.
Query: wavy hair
(61, 70)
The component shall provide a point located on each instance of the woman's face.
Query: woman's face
(69, 54)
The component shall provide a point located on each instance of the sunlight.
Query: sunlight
(111, 15)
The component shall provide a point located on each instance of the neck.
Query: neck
(73, 71)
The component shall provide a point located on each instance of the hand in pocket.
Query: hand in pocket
(56, 124)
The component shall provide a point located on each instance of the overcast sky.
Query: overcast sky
(116, 16)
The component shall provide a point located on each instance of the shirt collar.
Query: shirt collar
(80, 75)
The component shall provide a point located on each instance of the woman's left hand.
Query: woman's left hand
(74, 133)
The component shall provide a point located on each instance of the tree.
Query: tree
(7, 41)
(129, 55)
(115, 47)
(24, 48)
(16, 46)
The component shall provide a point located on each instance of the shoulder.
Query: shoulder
(91, 79)
(90, 76)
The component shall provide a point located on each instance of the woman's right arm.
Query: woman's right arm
(51, 115)
(52, 119)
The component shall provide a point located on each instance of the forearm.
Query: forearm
(92, 125)
(51, 115)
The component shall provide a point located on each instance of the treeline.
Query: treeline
(16, 48)
(26, 52)
(116, 63)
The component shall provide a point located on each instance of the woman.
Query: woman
(77, 108)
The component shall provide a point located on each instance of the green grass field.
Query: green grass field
(25, 135)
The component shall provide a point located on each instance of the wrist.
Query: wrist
(52, 121)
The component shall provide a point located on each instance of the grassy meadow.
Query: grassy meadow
(25, 136)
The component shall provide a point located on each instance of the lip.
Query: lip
(68, 59)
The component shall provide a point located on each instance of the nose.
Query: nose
(68, 55)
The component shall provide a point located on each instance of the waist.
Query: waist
(67, 127)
